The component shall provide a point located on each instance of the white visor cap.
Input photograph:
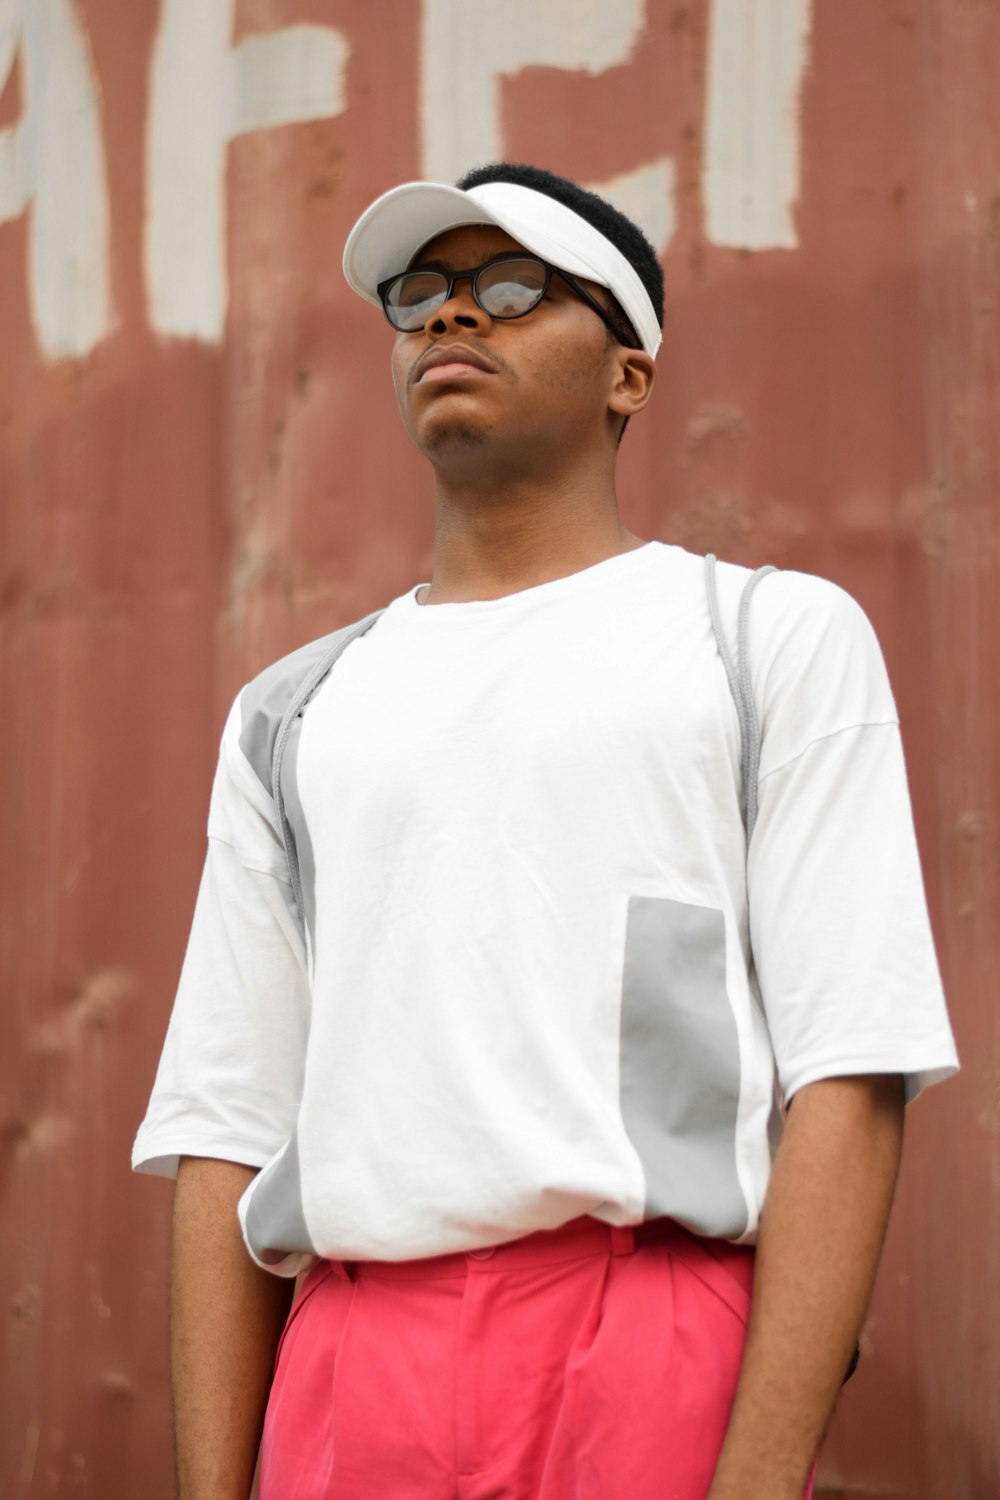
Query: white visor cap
(390, 232)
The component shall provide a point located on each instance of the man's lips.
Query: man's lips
(450, 372)
(453, 362)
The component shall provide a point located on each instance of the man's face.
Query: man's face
(466, 381)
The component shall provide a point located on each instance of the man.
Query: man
(470, 1029)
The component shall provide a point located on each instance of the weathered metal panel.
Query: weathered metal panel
(200, 467)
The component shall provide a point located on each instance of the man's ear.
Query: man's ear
(633, 377)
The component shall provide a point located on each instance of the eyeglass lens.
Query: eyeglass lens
(503, 288)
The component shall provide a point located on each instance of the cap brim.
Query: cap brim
(390, 232)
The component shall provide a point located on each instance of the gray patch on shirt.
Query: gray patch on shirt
(680, 1064)
(275, 1218)
(264, 700)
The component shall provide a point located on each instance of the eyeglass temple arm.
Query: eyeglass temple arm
(618, 329)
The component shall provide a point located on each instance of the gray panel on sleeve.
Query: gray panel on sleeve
(680, 1064)
(264, 700)
(271, 709)
(275, 1219)
(299, 826)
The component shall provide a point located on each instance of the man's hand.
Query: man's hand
(226, 1316)
(820, 1239)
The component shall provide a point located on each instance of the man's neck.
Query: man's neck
(490, 543)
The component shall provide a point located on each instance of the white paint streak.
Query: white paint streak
(469, 46)
(10, 27)
(186, 135)
(757, 58)
(647, 196)
(204, 92)
(292, 75)
(52, 166)
(13, 188)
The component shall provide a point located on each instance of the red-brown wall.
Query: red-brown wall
(179, 507)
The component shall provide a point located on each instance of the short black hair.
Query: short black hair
(617, 227)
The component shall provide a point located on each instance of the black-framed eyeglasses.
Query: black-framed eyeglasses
(508, 286)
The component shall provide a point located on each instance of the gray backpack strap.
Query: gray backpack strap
(305, 690)
(738, 673)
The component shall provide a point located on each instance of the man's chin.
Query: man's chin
(451, 437)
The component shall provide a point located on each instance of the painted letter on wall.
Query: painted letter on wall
(52, 167)
(205, 92)
(757, 56)
(469, 46)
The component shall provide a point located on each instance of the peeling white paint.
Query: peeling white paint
(469, 46)
(204, 92)
(53, 168)
(757, 58)
(647, 195)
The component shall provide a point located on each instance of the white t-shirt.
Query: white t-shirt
(525, 991)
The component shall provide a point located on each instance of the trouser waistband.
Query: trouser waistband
(580, 1237)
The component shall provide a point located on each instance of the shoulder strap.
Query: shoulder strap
(738, 674)
(301, 696)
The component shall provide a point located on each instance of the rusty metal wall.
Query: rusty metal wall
(200, 467)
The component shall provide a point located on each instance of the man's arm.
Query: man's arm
(226, 1316)
(821, 1234)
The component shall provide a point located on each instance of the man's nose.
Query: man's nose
(460, 311)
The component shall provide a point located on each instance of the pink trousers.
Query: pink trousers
(584, 1363)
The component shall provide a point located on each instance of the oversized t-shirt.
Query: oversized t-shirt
(520, 987)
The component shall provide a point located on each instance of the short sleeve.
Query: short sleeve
(839, 925)
(230, 1073)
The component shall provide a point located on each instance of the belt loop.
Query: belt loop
(344, 1269)
(622, 1239)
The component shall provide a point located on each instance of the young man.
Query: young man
(470, 1027)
